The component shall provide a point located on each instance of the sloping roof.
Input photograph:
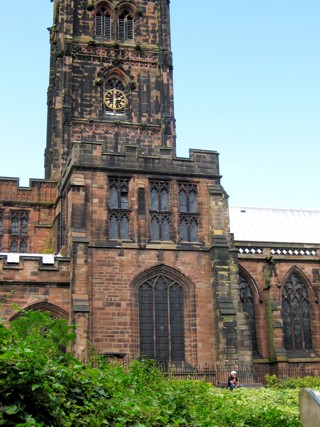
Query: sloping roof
(275, 225)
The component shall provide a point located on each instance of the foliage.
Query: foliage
(293, 383)
(42, 385)
(32, 358)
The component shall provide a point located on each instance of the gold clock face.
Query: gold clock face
(115, 99)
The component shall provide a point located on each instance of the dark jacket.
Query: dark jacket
(231, 381)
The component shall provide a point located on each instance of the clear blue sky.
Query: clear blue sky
(246, 80)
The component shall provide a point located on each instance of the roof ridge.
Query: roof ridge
(274, 209)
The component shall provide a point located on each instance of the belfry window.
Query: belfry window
(159, 212)
(161, 317)
(296, 315)
(119, 212)
(103, 24)
(188, 215)
(125, 26)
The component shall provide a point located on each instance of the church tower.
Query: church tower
(147, 232)
(110, 78)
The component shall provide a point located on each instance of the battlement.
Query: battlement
(39, 191)
(33, 262)
(161, 160)
(34, 280)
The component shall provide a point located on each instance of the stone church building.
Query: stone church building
(138, 247)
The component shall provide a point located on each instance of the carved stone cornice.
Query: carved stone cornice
(107, 54)
(111, 128)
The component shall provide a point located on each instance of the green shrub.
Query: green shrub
(293, 383)
(42, 385)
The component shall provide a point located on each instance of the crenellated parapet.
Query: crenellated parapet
(27, 215)
(39, 191)
(22, 268)
(32, 281)
(200, 164)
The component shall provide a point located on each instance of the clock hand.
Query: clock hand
(114, 99)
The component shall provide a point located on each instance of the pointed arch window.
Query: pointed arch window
(55, 311)
(188, 215)
(23, 245)
(125, 25)
(103, 23)
(119, 212)
(296, 315)
(19, 223)
(1, 228)
(19, 231)
(14, 247)
(247, 301)
(1, 223)
(160, 213)
(161, 316)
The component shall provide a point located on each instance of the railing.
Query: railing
(247, 374)
(187, 372)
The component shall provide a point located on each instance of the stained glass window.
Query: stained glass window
(247, 300)
(160, 213)
(296, 315)
(162, 320)
(1, 223)
(19, 231)
(188, 218)
(119, 212)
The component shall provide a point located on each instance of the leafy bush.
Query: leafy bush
(293, 383)
(42, 385)
(32, 358)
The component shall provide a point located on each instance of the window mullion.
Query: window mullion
(119, 197)
(293, 341)
(169, 324)
(159, 198)
(302, 325)
(154, 320)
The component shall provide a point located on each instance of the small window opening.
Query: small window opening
(125, 26)
(103, 23)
